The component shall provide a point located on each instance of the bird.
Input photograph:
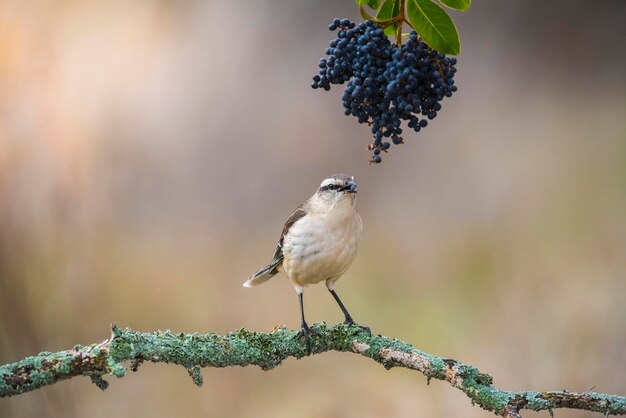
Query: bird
(318, 243)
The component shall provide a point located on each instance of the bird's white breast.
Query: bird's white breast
(322, 245)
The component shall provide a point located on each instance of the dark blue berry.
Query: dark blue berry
(385, 84)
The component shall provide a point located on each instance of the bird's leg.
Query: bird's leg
(304, 327)
(349, 320)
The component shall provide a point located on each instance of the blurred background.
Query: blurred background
(150, 152)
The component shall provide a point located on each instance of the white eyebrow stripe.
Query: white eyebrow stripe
(328, 181)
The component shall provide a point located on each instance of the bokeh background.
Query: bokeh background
(150, 152)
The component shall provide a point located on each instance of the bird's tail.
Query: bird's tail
(261, 276)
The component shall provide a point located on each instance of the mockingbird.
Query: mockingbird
(318, 243)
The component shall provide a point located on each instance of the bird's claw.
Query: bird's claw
(305, 332)
(350, 322)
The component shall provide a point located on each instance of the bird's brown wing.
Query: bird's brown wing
(278, 254)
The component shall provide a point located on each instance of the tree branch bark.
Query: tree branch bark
(268, 350)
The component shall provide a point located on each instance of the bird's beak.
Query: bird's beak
(350, 187)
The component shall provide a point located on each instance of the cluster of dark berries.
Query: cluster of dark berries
(386, 84)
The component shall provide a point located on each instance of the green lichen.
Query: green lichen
(116, 369)
(97, 380)
(64, 365)
(536, 402)
(196, 375)
(268, 350)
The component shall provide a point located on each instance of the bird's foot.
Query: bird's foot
(305, 332)
(350, 322)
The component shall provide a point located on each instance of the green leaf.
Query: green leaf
(390, 30)
(371, 3)
(457, 4)
(434, 25)
(365, 15)
(389, 10)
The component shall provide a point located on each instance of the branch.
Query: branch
(268, 350)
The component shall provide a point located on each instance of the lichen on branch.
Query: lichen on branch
(268, 350)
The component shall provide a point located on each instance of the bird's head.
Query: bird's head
(337, 188)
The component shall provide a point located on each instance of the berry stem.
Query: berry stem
(399, 25)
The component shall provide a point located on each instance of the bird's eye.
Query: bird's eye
(330, 187)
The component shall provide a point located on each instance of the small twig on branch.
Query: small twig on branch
(268, 350)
